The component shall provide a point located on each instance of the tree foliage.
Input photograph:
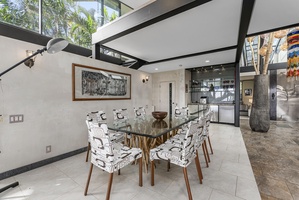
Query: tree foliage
(60, 18)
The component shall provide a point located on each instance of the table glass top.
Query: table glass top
(149, 126)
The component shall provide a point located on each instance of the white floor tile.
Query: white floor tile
(229, 176)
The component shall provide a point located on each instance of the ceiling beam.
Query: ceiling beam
(272, 30)
(247, 8)
(193, 54)
(148, 15)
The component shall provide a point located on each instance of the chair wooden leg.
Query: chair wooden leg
(152, 173)
(118, 172)
(199, 172)
(140, 172)
(187, 183)
(205, 154)
(109, 186)
(210, 145)
(206, 147)
(88, 179)
(168, 165)
(87, 154)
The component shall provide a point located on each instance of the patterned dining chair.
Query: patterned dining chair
(139, 112)
(181, 155)
(100, 117)
(110, 156)
(179, 140)
(121, 116)
(208, 117)
(181, 112)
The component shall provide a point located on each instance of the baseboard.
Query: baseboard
(41, 163)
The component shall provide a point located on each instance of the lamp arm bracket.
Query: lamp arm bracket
(39, 51)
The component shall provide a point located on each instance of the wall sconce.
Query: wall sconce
(30, 61)
(145, 79)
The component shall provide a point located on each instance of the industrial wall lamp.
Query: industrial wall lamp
(53, 46)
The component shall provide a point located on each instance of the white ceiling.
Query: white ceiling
(209, 27)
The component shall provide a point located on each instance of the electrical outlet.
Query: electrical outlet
(48, 149)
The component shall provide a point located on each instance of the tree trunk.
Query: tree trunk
(259, 117)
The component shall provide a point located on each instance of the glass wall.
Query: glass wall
(70, 19)
(217, 85)
(256, 46)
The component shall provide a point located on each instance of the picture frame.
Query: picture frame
(248, 92)
(91, 83)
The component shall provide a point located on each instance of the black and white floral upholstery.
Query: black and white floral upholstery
(179, 154)
(139, 112)
(110, 156)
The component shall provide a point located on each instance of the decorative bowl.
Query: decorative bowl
(159, 115)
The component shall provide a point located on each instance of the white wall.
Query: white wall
(43, 94)
(176, 76)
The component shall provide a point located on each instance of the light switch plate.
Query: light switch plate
(16, 118)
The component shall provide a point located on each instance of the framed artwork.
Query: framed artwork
(90, 83)
(248, 92)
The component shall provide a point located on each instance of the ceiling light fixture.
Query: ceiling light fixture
(207, 61)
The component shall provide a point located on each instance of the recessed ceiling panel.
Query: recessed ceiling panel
(217, 58)
(272, 14)
(207, 27)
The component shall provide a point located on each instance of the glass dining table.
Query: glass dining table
(147, 132)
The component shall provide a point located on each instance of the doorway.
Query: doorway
(167, 96)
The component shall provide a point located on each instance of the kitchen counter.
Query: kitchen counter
(223, 112)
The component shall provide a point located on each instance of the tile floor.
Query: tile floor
(229, 177)
(274, 157)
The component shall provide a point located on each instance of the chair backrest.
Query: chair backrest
(98, 116)
(201, 122)
(139, 112)
(208, 117)
(120, 114)
(181, 112)
(102, 150)
(189, 143)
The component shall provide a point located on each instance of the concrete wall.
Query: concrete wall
(43, 94)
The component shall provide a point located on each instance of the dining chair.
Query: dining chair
(120, 114)
(139, 112)
(208, 117)
(100, 117)
(181, 155)
(110, 156)
(181, 112)
(179, 140)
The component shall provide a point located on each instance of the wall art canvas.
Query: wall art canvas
(90, 83)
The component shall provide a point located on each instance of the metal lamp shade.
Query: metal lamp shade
(55, 45)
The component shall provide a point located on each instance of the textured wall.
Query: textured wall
(43, 94)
